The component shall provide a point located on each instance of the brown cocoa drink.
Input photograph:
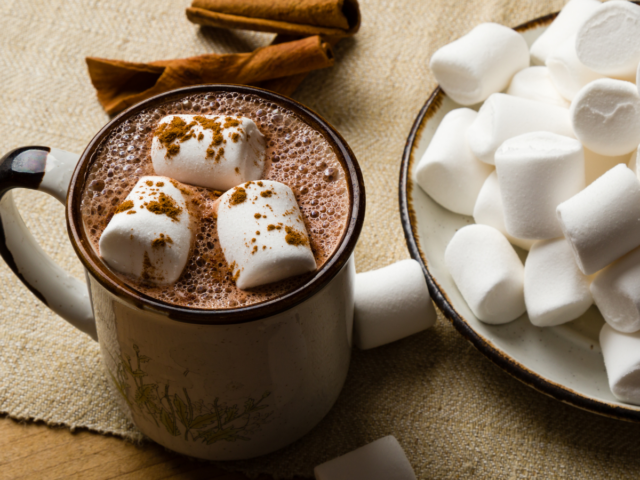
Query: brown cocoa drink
(297, 155)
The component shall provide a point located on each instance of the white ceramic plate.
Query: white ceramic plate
(564, 362)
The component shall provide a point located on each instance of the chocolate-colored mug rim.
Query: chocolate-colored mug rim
(98, 270)
(439, 296)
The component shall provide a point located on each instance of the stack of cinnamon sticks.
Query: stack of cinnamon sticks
(307, 30)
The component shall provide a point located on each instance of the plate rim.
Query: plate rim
(501, 359)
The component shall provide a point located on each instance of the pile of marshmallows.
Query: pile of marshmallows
(550, 167)
(150, 235)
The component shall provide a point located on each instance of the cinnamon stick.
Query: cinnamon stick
(330, 18)
(121, 84)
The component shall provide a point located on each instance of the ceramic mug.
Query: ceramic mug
(215, 384)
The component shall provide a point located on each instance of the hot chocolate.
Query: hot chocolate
(297, 155)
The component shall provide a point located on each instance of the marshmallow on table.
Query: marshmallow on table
(565, 24)
(383, 459)
(602, 222)
(149, 236)
(608, 41)
(534, 83)
(605, 116)
(504, 116)
(616, 293)
(480, 63)
(489, 210)
(210, 151)
(537, 171)
(555, 290)
(567, 73)
(262, 234)
(488, 273)
(621, 352)
(391, 303)
(596, 165)
(448, 171)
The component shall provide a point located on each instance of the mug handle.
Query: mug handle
(48, 170)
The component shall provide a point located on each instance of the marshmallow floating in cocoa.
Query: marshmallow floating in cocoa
(382, 459)
(621, 352)
(149, 236)
(555, 290)
(448, 170)
(602, 222)
(605, 116)
(262, 234)
(480, 63)
(391, 303)
(210, 151)
(567, 73)
(534, 83)
(504, 116)
(616, 293)
(489, 210)
(488, 273)
(537, 171)
(566, 24)
(608, 41)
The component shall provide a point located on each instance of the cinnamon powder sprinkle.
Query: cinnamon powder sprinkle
(124, 206)
(238, 196)
(161, 241)
(294, 237)
(149, 183)
(131, 212)
(160, 184)
(176, 131)
(165, 205)
(235, 137)
(274, 227)
(257, 215)
(266, 193)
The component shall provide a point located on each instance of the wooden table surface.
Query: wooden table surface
(30, 450)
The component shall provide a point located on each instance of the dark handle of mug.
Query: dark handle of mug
(48, 170)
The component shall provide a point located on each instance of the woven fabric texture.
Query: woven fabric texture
(455, 413)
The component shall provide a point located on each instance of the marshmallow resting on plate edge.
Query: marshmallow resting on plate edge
(605, 116)
(534, 83)
(537, 171)
(601, 222)
(621, 353)
(489, 210)
(608, 41)
(555, 290)
(448, 171)
(504, 116)
(149, 236)
(262, 234)
(212, 151)
(488, 272)
(382, 459)
(567, 23)
(480, 63)
(391, 303)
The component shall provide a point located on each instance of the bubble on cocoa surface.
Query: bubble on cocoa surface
(297, 155)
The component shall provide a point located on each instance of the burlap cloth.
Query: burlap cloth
(453, 411)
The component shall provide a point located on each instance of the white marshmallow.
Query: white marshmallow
(605, 116)
(616, 293)
(238, 157)
(489, 210)
(262, 234)
(480, 63)
(534, 83)
(504, 116)
(391, 303)
(383, 459)
(596, 165)
(537, 171)
(602, 222)
(633, 163)
(488, 273)
(448, 171)
(608, 41)
(567, 73)
(555, 290)
(621, 353)
(567, 23)
(150, 236)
